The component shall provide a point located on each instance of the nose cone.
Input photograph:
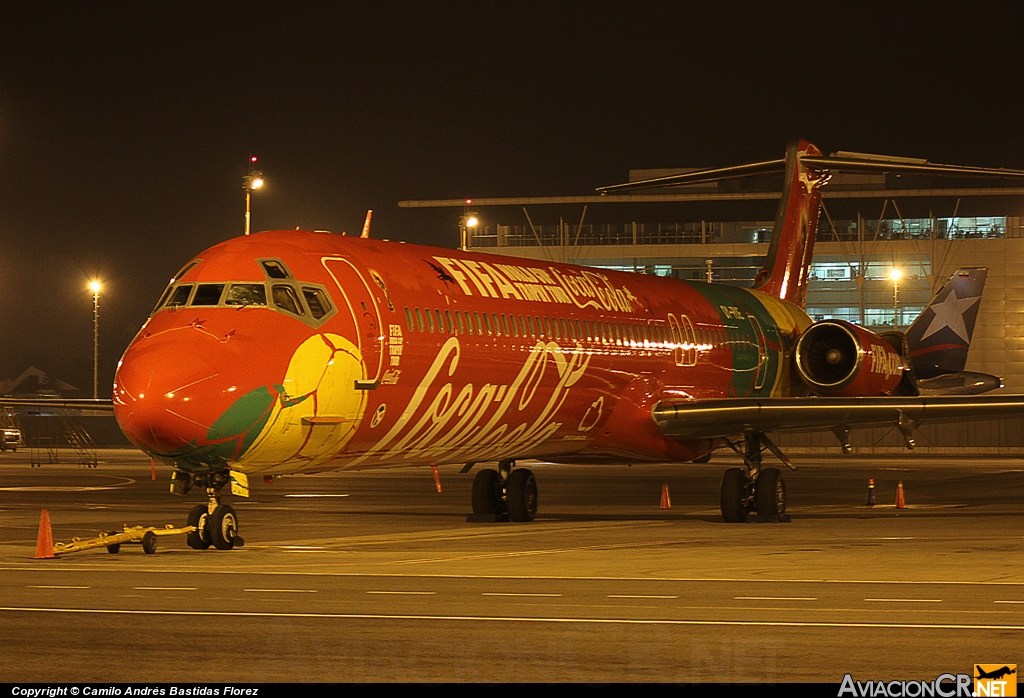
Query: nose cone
(170, 397)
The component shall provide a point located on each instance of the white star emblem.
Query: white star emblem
(950, 313)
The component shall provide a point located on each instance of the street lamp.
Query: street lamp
(895, 275)
(95, 286)
(251, 181)
(469, 220)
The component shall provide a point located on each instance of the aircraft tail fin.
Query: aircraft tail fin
(938, 340)
(787, 264)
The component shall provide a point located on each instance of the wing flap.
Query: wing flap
(684, 420)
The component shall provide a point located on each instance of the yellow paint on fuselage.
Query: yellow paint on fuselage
(324, 413)
(791, 321)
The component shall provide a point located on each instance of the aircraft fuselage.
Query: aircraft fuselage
(293, 351)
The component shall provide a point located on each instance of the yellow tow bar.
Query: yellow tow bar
(112, 541)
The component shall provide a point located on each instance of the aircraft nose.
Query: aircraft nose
(168, 395)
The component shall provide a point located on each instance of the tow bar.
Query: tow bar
(112, 541)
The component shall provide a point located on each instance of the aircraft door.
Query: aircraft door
(684, 340)
(358, 293)
(762, 353)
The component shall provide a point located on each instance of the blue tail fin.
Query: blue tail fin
(938, 340)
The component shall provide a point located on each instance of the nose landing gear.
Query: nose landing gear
(216, 524)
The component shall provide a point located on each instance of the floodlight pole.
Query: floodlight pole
(248, 194)
(253, 180)
(95, 339)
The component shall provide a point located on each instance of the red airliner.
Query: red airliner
(299, 352)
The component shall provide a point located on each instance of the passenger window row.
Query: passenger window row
(500, 324)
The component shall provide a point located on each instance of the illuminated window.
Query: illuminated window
(430, 320)
(448, 322)
(419, 320)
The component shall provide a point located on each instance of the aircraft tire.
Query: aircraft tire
(733, 485)
(200, 538)
(521, 495)
(487, 492)
(223, 527)
(770, 495)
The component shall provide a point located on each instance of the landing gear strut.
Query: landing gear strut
(753, 488)
(216, 524)
(504, 494)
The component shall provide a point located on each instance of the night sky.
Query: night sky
(125, 127)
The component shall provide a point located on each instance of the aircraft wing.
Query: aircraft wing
(698, 419)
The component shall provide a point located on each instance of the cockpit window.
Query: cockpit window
(317, 302)
(246, 294)
(208, 294)
(275, 269)
(180, 296)
(285, 299)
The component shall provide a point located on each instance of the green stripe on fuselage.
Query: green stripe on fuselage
(734, 306)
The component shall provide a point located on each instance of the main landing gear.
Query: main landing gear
(216, 524)
(754, 489)
(504, 494)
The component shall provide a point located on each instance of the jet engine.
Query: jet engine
(840, 359)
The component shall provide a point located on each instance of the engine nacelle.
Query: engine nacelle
(839, 358)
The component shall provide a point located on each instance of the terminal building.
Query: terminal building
(870, 225)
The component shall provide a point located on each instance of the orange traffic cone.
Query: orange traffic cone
(44, 541)
(900, 503)
(437, 478)
(666, 501)
(152, 468)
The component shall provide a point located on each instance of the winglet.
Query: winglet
(366, 224)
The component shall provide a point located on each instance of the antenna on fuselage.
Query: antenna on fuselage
(366, 224)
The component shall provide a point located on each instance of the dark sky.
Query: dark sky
(125, 127)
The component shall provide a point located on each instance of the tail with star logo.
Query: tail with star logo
(938, 340)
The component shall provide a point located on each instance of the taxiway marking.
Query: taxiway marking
(55, 586)
(905, 600)
(509, 593)
(165, 588)
(642, 596)
(281, 591)
(775, 598)
(405, 593)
